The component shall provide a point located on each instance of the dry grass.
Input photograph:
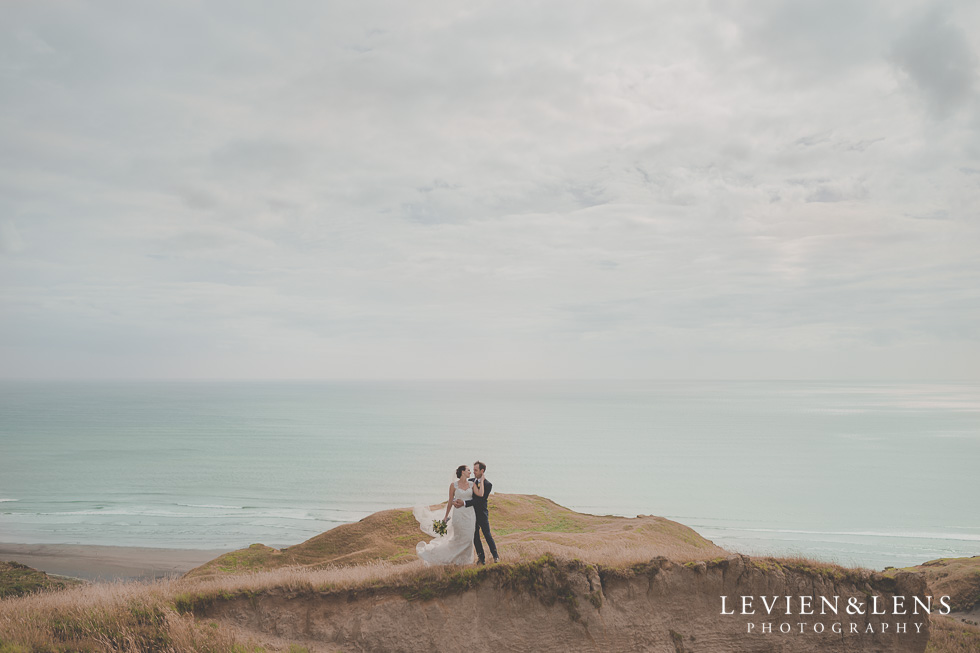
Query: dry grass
(107, 617)
(159, 616)
(606, 553)
(950, 636)
(810, 567)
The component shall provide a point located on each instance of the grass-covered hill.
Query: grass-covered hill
(959, 578)
(17, 579)
(523, 525)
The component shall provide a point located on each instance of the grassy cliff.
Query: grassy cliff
(524, 526)
(614, 578)
(17, 579)
(959, 578)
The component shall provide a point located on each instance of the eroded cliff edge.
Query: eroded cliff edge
(556, 605)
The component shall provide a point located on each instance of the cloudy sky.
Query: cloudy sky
(490, 189)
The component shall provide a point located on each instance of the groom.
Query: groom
(482, 514)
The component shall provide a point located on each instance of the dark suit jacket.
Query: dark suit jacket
(480, 503)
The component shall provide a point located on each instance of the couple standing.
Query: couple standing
(468, 501)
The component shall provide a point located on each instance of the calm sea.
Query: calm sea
(871, 474)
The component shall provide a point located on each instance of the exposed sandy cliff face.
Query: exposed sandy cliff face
(552, 605)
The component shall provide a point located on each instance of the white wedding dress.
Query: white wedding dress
(456, 546)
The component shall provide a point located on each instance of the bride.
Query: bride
(456, 546)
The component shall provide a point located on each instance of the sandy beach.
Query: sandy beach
(92, 562)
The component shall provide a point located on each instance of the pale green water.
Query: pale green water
(873, 474)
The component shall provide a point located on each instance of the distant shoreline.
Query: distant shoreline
(100, 562)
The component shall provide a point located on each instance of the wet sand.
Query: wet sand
(92, 562)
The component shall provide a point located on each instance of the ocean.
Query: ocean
(873, 474)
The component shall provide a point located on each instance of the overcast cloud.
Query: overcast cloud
(490, 189)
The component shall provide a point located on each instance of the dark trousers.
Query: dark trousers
(483, 524)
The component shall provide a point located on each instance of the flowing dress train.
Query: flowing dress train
(456, 546)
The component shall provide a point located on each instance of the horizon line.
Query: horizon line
(481, 380)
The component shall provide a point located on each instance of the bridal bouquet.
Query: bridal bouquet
(439, 526)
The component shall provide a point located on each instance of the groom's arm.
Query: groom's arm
(487, 486)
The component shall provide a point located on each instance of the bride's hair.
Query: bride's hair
(459, 471)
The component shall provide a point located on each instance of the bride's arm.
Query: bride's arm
(452, 493)
(478, 489)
